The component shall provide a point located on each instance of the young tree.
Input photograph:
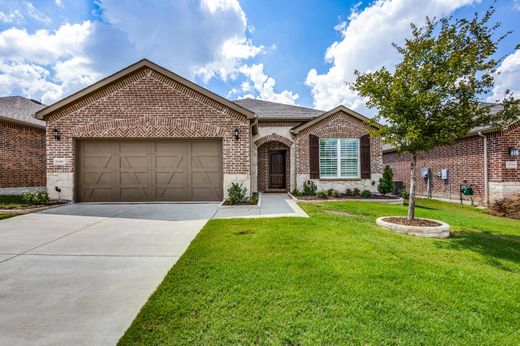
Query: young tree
(432, 97)
(386, 183)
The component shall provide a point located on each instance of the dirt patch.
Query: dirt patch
(337, 213)
(415, 222)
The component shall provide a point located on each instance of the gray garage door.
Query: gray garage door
(152, 170)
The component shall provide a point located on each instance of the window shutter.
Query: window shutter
(314, 156)
(364, 146)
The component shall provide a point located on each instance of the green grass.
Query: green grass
(342, 280)
(11, 202)
(6, 216)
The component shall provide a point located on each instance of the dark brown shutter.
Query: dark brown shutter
(364, 146)
(314, 156)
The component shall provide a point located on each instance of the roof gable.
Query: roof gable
(325, 115)
(131, 69)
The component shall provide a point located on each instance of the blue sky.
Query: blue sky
(291, 51)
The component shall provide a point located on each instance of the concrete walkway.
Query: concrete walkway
(79, 274)
(270, 205)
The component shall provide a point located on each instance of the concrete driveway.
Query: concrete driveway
(79, 274)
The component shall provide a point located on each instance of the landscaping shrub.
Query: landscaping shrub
(322, 194)
(35, 197)
(333, 193)
(404, 194)
(356, 192)
(508, 207)
(236, 193)
(366, 194)
(296, 192)
(349, 193)
(309, 188)
(254, 198)
(386, 183)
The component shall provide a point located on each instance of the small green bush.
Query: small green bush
(366, 194)
(309, 188)
(236, 193)
(356, 192)
(322, 194)
(35, 197)
(404, 194)
(332, 193)
(296, 192)
(349, 193)
(254, 198)
(386, 183)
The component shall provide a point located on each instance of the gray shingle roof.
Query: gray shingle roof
(273, 110)
(20, 110)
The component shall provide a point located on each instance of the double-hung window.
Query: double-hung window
(339, 158)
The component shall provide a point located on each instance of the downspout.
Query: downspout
(486, 183)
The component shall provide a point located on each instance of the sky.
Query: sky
(300, 52)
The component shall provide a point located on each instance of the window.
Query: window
(339, 158)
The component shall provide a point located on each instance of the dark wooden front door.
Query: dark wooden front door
(277, 170)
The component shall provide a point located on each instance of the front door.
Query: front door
(277, 170)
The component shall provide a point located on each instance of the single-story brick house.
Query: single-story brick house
(22, 145)
(147, 134)
(487, 159)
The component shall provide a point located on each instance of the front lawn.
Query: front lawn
(337, 278)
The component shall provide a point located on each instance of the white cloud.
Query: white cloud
(264, 85)
(507, 78)
(45, 65)
(365, 45)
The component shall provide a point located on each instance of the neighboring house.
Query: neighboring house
(464, 163)
(147, 134)
(22, 145)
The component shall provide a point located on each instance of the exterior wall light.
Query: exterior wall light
(56, 134)
(237, 134)
(513, 152)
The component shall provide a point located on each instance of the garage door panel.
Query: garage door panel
(160, 170)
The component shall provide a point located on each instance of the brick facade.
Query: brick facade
(338, 125)
(146, 104)
(465, 162)
(22, 156)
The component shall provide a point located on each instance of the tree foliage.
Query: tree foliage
(432, 97)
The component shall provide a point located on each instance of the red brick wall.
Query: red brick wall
(464, 160)
(263, 164)
(22, 156)
(148, 104)
(499, 144)
(339, 125)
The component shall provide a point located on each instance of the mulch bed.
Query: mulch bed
(340, 198)
(415, 222)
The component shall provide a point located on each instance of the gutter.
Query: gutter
(486, 180)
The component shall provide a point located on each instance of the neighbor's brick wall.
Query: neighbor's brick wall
(339, 125)
(147, 104)
(263, 164)
(22, 156)
(464, 160)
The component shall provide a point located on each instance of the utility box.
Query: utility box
(444, 174)
(426, 172)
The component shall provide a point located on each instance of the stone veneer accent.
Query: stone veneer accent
(339, 125)
(465, 161)
(146, 104)
(22, 156)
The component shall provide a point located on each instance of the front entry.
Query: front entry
(277, 170)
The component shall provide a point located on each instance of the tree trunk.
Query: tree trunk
(411, 202)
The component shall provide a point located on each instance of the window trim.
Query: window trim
(338, 158)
